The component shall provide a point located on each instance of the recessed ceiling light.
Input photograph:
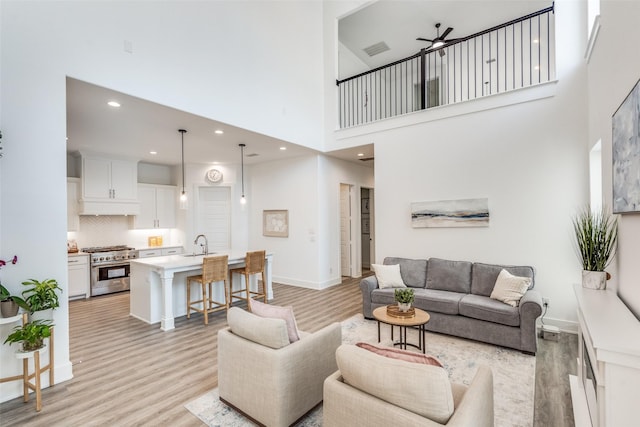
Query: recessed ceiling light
(153, 152)
(360, 154)
(113, 104)
(537, 67)
(535, 41)
(219, 131)
(283, 148)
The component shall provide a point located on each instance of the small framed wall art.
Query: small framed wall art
(275, 223)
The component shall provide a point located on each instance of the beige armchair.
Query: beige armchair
(401, 393)
(270, 380)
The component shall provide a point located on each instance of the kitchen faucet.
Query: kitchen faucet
(205, 247)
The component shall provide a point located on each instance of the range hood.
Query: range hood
(87, 207)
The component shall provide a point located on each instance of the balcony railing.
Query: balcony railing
(514, 55)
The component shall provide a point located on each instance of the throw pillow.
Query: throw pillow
(509, 288)
(276, 312)
(396, 353)
(388, 276)
(423, 389)
(268, 332)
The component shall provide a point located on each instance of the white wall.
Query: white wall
(612, 74)
(529, 159)
(249, 64)
(308, 187)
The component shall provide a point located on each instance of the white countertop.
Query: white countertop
(77, 254)
(184, 262)
(158, 247)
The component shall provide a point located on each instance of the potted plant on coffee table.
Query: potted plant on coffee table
(41, 295)
(9, 304)
(404, 297)
(596, 236)
(31, 335)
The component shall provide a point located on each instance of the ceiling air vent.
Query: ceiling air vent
(252, 155)
(366, 159)
(377, 48)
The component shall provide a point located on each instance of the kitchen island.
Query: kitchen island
(158, 285)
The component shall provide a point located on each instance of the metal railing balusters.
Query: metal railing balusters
(437, 77)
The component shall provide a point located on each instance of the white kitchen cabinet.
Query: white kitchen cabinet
(79, 286)
(109, 186)
(148, 253)
(73, 194)
(169, 250)
(172, 251)
(157, 206)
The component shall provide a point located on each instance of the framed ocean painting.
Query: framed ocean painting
(626, 154)
(450, 213)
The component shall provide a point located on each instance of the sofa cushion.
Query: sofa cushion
(265, 331)
(398, 353)
(422, 389)
(388, 276)
(433, 300)
(383, 296)
(413, 271)
(276, 312)
(483, 276)
(485, 308)
(448, 275)
(509, 289)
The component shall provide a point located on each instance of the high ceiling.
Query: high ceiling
(398, 23)
(138, 126)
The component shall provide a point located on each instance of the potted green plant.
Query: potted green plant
(404, 297)
(596, 237)
(9, 304)
(41, 295)
(31, 334)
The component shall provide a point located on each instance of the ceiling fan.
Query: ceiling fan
(440, 40)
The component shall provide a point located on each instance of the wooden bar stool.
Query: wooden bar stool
(214, 270)
(254, 264)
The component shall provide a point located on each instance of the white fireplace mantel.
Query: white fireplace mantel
(611, 335)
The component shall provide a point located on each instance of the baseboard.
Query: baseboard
(567, 326)
(306, 284)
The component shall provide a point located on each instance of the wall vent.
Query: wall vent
(377, 48)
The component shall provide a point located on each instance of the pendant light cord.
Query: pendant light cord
(242, 166)
(182, 131)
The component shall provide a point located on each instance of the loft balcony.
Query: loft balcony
(514, 55)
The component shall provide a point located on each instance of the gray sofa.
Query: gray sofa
(456, 295)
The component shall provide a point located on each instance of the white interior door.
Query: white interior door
(214, 217)
(345, 230)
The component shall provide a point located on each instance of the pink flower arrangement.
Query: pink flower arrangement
(12, 261)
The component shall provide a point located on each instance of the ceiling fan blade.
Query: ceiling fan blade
(424, 40)
(446, 33)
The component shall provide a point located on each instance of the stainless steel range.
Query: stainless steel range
(110, 268)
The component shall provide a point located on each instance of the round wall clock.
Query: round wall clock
(214, 175)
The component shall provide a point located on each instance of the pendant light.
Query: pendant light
(183, 195)
(243, 200)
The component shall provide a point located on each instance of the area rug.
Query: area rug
(513, 376)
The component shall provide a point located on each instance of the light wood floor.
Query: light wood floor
(128, 373)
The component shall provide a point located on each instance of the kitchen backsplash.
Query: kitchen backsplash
(107, 230)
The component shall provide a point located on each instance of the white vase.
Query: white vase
(404, 306)
(594, 279)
